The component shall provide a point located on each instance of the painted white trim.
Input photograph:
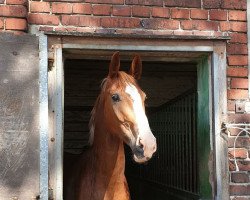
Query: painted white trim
(140, 47)
(59, 110)
(219, 91)
(43, 116)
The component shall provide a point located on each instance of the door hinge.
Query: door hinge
(51, 194)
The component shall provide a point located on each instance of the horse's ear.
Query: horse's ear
(136, 67)
(114, 65)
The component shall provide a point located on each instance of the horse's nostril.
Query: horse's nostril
(154, 148)
(140, 143)
(138, 151)
(140, 148)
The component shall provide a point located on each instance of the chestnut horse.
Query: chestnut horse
(117, 117)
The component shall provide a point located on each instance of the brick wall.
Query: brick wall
(13, 15)
(239, 180)
(155, 17)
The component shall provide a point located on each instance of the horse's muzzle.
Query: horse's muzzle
(145, 148)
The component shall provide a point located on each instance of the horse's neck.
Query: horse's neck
(107, 148)
(108, 151)
(105, 167)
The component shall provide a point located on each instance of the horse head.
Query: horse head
(124, 108)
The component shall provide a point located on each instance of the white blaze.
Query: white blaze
(141, 118)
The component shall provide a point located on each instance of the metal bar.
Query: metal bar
(43, 119)
(162, 147)
(172, 147)
(154, 174)
(177, 157)
(195, 144)
(189, 145)
(182, 143)
(166, 157)
(179, 144)
(175, 148)
(186, 144)
(59, 124)
(169, 146)
(168, 140)
(193, 141)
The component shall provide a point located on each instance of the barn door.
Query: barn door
(20, 127)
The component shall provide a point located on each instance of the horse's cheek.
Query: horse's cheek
(126, 111)
(130, 116)
(118, 113)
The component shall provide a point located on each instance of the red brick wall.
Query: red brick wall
(13, 15)
(154, 17)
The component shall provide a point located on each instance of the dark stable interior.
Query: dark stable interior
(171, 110)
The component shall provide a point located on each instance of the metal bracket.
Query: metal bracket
(51, 194)
(240, 107)
(50, 64)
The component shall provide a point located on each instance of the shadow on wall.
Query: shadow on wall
(19, 120)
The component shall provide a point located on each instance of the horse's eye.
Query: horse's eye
(116, 97)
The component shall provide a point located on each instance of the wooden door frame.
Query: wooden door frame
(65, 47)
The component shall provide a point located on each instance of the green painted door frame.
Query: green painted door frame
(203, 129)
